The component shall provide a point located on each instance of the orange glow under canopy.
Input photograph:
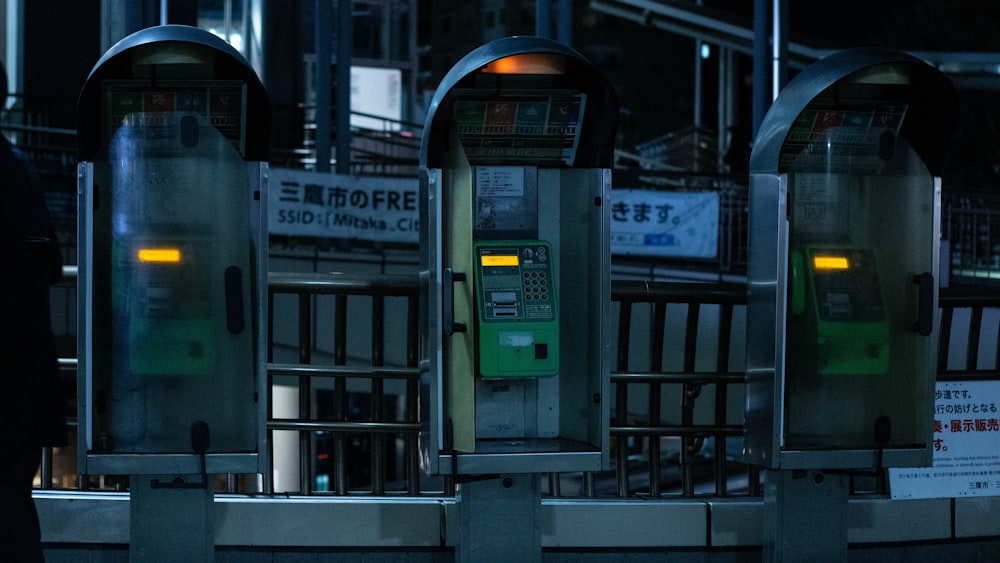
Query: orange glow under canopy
(528, 63)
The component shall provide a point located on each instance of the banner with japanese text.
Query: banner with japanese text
(669, 224)
(314, 204)
(966, 446)
(303, 203)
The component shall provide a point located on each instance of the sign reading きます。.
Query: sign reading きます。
(662, 223)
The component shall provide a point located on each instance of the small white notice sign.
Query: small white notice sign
(966, 446)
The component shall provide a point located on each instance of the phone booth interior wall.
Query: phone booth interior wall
(172, 146)
(515, 180)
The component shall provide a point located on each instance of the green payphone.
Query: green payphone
(837, 293)
(517, 310)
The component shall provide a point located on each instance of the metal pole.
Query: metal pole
(726, 102)
(761, 62)
(779, 47)
(345, 54)
(564, 22)
(543, 19)
(500, 519)
(321, 82)
(697, 82)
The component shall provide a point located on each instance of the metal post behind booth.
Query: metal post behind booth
(845, 203)
(515, 186)
(172, 147)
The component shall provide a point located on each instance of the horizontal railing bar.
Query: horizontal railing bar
(712, 293)
(312, 370)
(708, 430)
(968, 375)
(386, 284)
(678, 377)
(621, 290)
(343, 426)
(968, 297)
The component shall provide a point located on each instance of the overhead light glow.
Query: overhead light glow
(528, 63)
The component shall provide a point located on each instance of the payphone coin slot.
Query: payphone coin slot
(504, 303)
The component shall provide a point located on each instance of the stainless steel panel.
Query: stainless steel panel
(766, 273)
(736, 522)
(883, 520)
(631, 523)
(977, 517)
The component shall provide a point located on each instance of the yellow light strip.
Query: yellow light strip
(830, 262)
(500, 260)
(159, 255)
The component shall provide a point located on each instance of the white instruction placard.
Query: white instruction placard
(966, 446)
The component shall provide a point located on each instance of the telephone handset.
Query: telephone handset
(517, 309)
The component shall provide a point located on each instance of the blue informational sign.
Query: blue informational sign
(669, 224)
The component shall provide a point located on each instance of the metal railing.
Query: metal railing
(688, 377)
(972, 361)
(376, 425)
(678, 355)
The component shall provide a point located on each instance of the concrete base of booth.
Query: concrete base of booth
(95, 526)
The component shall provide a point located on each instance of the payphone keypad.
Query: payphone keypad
(516, 282)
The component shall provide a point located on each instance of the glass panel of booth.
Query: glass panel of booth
(176, 239)
(861, 227)
(222, 103)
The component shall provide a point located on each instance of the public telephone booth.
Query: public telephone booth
(515, 176)
(515, 186)
(172, 147)
(844, 233)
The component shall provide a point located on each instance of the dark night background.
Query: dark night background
(653, 69)
(655, 73)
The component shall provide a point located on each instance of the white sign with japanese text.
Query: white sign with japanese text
(966, 446)
(369, 208)
(656, 223)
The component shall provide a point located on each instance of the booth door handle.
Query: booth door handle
(234, 300)
(448, 302)
(925, 305)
